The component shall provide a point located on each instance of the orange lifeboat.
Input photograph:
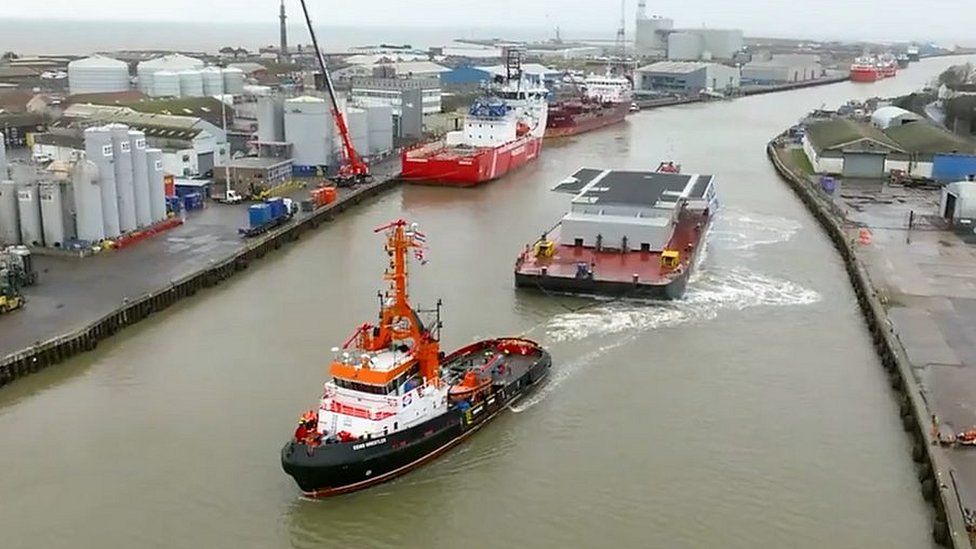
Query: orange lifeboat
(470, 386)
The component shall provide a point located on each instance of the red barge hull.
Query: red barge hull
(562, 122)
(439, 164)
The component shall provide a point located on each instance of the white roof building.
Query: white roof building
(886, 117)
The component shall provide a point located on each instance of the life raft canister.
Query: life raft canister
(407, 399)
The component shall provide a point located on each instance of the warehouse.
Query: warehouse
(249, 176)
(377, 92)
(686, 77)
(781, 69)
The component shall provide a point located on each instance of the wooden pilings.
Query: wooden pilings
(133, 310)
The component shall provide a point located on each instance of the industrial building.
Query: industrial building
(887, 117)
(958, 205)
(190, 145)
(310, 129)
(251, 175)
(781, 69)
(388, 92)
(656, 36)
(686, 77)
(651, 34)
(856, 150)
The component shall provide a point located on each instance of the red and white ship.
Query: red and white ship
(605, 100)
(865, 69)
(503, 131)
(887, 66)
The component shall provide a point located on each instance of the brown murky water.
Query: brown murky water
(753, 413)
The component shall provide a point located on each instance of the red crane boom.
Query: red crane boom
(353, 169)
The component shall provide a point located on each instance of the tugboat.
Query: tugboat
(395, 401)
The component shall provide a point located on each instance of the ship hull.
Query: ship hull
(339, 468)
(480, 166)
(565, 125)
(864, 75)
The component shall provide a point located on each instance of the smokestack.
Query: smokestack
(283, 52)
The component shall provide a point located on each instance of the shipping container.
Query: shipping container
(948, 168)
(277, 207)
(323, 196)
(259, 214)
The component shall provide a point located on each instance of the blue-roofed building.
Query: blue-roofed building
(465, 75)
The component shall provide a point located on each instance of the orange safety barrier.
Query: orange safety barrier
(139, 236)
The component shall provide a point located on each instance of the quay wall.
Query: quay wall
(938, 485)
(60, 348)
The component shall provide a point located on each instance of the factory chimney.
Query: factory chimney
(641, 10)
(283, 51)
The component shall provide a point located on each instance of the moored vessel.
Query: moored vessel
(502, 132)
(395, 401)
(865, 69)
(604, 100)
(887, 66)
(634, 233)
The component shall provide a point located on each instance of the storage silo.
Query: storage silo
(147, 70)
(89, 222)
(379, 120)
(233, 81)
(685, 46)
(98, 149)
(213, 81)
(191, 83)
(98, 74)
(4, 171)
(29, 209)
(358, 130)
(308, 127)
(165, 84)
(140, 178)
(9, 215)
(122, 153)
(157, 191)
(271, 119)
(55, 219)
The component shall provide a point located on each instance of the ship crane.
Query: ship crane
(353, 169)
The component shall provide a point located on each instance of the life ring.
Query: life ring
(407, 399)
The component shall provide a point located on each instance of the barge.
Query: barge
(628, 233)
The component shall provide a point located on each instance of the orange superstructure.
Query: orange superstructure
(399, 327)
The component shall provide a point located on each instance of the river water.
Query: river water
(753, 413)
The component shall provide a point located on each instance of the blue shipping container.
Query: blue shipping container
(193, 201)
(277, 207)
(947, 168)
(259, 214)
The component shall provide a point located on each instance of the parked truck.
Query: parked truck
(267, 215)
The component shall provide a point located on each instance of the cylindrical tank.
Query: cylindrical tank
(173, 63)
(98, 149)
(165, 84)
(29, 208)
(97, 74)
(140, 178)
(308, 126)
(157, 192)
(9, 215)
(53, 222)
(213, 81)
(89, 220)
(233, 81)
(4, 171)
(271, 119)
(684, 46)
(379, 120)
(358, 130)
(191, 83)
(122, 151)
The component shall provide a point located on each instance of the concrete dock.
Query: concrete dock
(918, 294)
(74, 296)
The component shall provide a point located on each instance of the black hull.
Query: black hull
(333, 469)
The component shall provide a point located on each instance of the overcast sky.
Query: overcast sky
(875, 19)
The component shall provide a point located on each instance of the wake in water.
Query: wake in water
(735, 229)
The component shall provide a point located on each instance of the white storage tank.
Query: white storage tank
(271, 119)
(89, 220)
(29, 209)
(684, 46)
(98, 149)
(165, 84)
(9, 216)
(175, 63)
(213, 81)
(98, 74)
(56, 219)
(157, 189)
(379, 120)
(358, 130)
(122, 154)
(233, 81)
(191, 83)
(140, 178)
(309, 128)
(4, 171)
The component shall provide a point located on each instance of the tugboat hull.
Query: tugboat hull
(337, 468)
